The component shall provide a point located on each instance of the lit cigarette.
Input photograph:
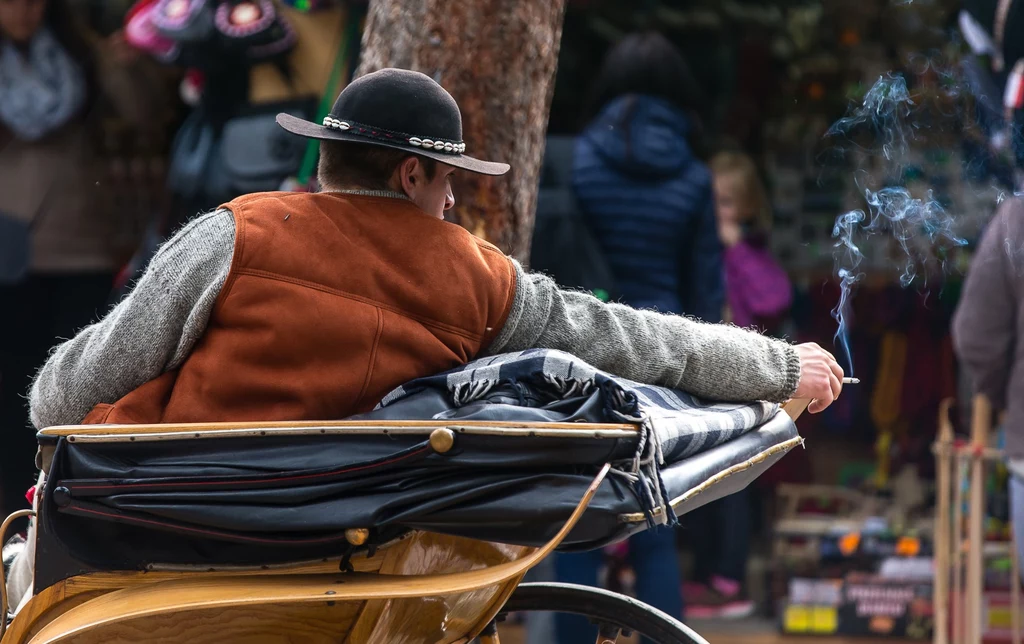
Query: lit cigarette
(851, 381)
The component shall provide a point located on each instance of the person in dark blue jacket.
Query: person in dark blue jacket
(648, 199)
(643, 190)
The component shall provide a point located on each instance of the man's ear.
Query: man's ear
(410, 175)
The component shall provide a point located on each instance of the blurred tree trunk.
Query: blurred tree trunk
(498, 59)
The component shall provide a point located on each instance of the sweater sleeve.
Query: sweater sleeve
(715, 361)
(151, 331)
(984, 322)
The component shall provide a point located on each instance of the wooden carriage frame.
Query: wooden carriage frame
(422, 587)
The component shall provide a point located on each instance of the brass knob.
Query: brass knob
(357, 536)
(442, 439)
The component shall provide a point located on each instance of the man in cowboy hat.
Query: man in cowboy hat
(289, 306)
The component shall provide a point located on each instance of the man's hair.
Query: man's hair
(362, 165)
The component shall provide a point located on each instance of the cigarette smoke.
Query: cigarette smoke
(884, 126)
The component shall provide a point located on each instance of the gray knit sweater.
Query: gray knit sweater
(156, 326)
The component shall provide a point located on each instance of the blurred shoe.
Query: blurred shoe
(720, 599)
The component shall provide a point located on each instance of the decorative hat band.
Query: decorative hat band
(448, 147)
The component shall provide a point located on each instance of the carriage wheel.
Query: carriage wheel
(613, 613)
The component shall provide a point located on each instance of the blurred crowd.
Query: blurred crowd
(63, 235)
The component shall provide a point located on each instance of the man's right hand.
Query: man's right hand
(821, 377)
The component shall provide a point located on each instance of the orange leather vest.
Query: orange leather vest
(332, 300)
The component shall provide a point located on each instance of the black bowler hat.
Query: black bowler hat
(399, 109)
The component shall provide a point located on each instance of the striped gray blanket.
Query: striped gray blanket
(674, 424)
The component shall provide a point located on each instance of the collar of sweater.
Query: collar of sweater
(390, 194)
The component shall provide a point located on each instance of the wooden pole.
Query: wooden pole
(943, 474)
(980, 421)
(1015, 572)
(1014, 588)
(959, 613)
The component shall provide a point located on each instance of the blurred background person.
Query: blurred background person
(988, 323)
(59, 250)
(647, 197)
(758, 293)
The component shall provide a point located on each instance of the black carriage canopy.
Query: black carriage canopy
(113, 502)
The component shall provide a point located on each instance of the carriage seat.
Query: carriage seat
(130, 497)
